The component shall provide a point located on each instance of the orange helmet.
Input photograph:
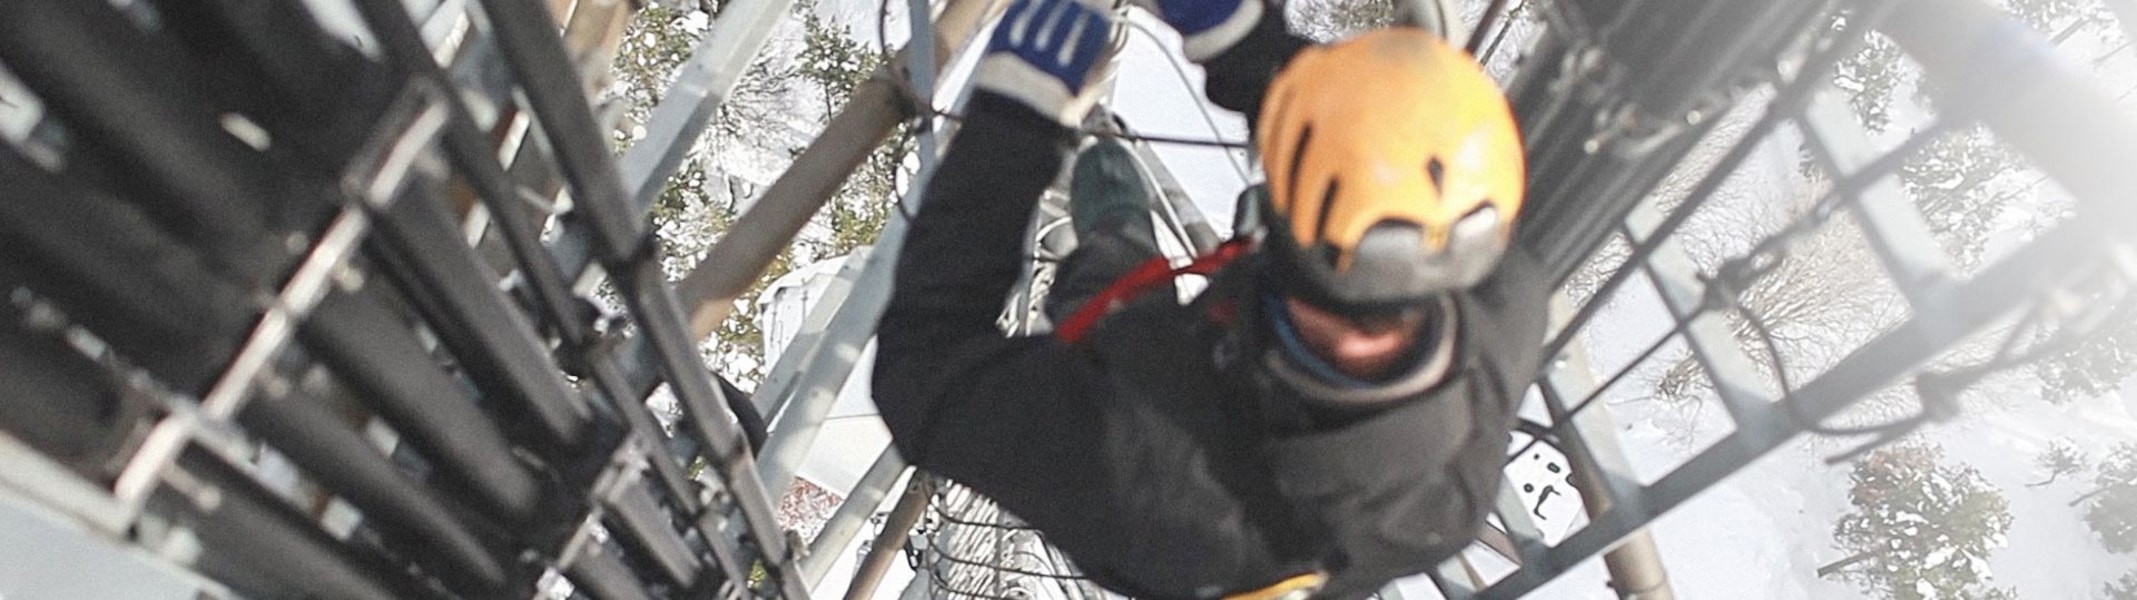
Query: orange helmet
(1395, 170)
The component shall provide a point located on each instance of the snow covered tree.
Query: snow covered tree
(807, 72)
(2061, 458)
(1961, 182)
(1326, 20)
(1874, 75)
(1966, 182)
(1920, 529)
(2121, 589)
(700, 200)
(2095, 366)
(2111, 508)
(1815, 304)
(810, 59)
(834, 63)
(2101, 363)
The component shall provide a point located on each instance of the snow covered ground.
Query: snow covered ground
(1762, 533)
(2052, 553)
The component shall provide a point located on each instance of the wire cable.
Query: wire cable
(1201, 107)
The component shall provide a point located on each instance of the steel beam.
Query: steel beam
(2009, 76)
(1891, 224)
(805, 381)
(860, 505)
(770, 224)
(2053, 118)
(701, 85)
(896, 530)
(1705, 326)
(1601, 473)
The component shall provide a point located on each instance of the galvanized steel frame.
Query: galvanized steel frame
(1947, 309)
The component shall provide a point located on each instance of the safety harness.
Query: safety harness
(1140, 280)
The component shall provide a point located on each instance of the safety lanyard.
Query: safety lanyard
(1138, 281)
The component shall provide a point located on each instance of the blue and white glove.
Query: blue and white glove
(1046, 54)
(1207, 27)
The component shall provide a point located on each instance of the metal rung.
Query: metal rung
(1889, 220)
(1707, 331)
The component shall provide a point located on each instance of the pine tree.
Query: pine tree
(2100, 363)
(1966, 179)
(1873, 76)
(1920, 529)
(2121, 589)
(1326, 20)
(813, 59)
(2061, 458)
(699, 202)
(834, 62)
(1953, 182)
(2095, 366)
(2112, 508)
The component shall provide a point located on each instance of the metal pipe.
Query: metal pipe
(1635, 566)
(117, 274)
(1492, 14)
(2010, 76)
(256, 543)
(645, 527)
(420, 525)
(526, 36)
(491, 337)
(372, 351)
(1962, 309)
(1789, 95)
(701, 85)
(468, 147)
(601, 575)
(922, 71)
(476, 161)
(860, 505)
(647, 432)
(619, 240)
(805, 381)
(594, 35)
(137, 96)
(876, 106)
(727, 451)
(896, 530)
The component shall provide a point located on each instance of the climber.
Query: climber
(1329, 414)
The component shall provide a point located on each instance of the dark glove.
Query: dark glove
(1207, 27)
(1046, 54)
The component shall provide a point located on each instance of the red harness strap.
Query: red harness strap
(1136, 282)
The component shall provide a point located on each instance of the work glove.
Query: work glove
(1207, 27)
(1046, 54)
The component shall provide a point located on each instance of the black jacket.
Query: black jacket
(1156, 453)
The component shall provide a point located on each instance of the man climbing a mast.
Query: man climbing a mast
(1330, 414)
